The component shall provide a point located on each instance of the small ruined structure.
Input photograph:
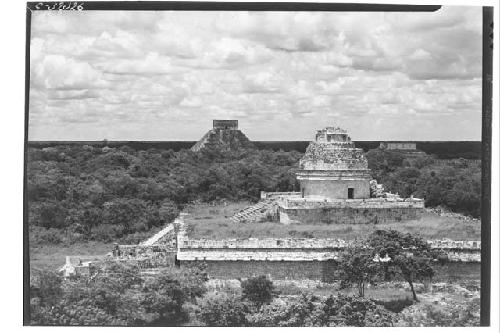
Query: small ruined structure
(225, 133)
(398, 145)
(407, 149)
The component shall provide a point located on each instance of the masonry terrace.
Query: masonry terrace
(298, 259)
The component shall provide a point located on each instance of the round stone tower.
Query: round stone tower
(332, 168)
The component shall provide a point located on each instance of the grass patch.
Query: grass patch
(51, 257)
(396, 305)
(212, 222)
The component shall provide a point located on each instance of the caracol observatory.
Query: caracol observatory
(336, 187)
(333, 168)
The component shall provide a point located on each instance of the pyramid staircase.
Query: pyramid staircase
(256, 213)
(230, 138)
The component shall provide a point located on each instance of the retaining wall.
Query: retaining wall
(325, 271)
(298, 249)
(347, 215)
(349, 211)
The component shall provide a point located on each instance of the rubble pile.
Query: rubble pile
(376, 190)
(447, 213)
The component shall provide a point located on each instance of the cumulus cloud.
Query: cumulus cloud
(165, 75)
(57, 71)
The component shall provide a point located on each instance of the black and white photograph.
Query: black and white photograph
(257, 165)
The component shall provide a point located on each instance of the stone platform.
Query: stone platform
(348, 211)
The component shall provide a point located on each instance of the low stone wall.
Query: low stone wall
(129, 252)
(324, 271)
(447, 213)
(258, 255)
(273, 195)
(449, 244)
(262, 243)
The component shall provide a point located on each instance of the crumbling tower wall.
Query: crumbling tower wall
(333, 168)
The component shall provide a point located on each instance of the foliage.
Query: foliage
(456, 185)
(221, 309)
(449, 315)
(406, 255)
(308, 310)
(342, 310)
(45, 287)
(116, 294)
(286, 313)
(358, 267)
(107, 193)
(102, 193)
(259, 290)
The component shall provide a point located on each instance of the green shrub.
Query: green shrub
(42, 236)
(355, 311)
(221, 309)
(295, 312)
(116, 295)
(259, 290)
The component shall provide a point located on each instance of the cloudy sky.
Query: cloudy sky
(166, 75)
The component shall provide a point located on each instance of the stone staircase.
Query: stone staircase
(230, 138)
(257, 212)
(159, 235)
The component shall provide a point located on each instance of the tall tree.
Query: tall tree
(403, 255)
(358, 267)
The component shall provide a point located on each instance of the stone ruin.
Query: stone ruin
(225, 133)
(407, 149)
(335, 187)
(392, 145)
(281, 258)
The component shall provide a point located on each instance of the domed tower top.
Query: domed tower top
(333, 150)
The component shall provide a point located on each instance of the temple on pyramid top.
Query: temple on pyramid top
(224, 134)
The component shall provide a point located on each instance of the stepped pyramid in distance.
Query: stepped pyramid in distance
(224, 133)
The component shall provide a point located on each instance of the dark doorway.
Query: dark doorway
(350, 193)
(302, 190)
(177, 263)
